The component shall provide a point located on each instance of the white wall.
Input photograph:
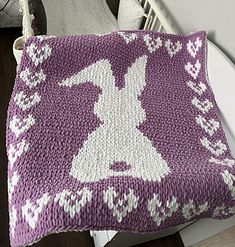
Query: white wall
(215, 16)
(10, 16)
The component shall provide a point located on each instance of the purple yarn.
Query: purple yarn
(53, 120)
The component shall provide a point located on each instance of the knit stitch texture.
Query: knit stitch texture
(117, 131)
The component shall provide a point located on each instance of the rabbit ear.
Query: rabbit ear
(99, 73)
(135, 76)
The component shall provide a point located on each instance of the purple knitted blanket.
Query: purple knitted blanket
(117, 131)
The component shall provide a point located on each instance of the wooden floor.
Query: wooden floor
(222, 239)
(69, 239)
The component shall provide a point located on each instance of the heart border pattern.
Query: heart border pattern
(25, 102)
(229, 180)
(132, 202)
(221, 147)
(12, 182)
(199, 89)
(128, 37)
(204, 106)
(38, 54)
(193, 69)
(173, 48)
(160, 212)
(26, 124)
(152, 43)
(191, 210)
(193, 47)
(30, 212)
(61, 198)
(32, 81)
(14, 152)
(210, 126)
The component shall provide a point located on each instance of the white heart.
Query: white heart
(44, 37)
(70, 203)
(25, 102)
(128, 37)
(229, 179)
(160, 212)
(38, 54)
(32, 80)
(193, 48)
(199, 89)
(224, 162)
(193, 69)
(216, 148)
(12, 182)
(223, 211)
(102, 34)
(190, 210)
(30, 211)
(14, 152)
(210, 126)
(122, 206)
(152, 43)
(203, 106)
(173, 48)
(19, 126)
(13, 220)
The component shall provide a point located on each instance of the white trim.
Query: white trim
(27, 19)
(155, 14)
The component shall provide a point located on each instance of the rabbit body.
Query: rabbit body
(118, 138)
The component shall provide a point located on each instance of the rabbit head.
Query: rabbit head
(115, 104)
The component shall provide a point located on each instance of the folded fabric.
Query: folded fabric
(118, 131)
(130, 15)
(79, 17)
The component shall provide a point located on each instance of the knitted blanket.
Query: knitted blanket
(117, 131)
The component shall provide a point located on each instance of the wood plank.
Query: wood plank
(225, 239)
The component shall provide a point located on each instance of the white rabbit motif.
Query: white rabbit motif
(117, 139)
